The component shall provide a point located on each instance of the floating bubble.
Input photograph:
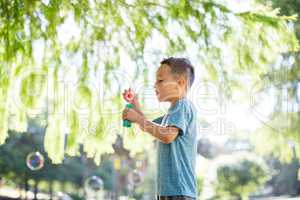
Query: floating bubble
(94, 183)
(35, 161)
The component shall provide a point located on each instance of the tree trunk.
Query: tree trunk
(20, 190)
(51, 190)
(36, 183)
(26, 187)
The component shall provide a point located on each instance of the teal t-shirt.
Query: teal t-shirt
(176, 161)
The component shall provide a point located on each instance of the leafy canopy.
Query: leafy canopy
(67, 59)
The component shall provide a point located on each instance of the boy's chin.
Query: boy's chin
(162, 99)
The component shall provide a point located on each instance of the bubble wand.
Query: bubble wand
(128, 96)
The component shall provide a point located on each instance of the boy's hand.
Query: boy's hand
(133, 115)
(135, 100)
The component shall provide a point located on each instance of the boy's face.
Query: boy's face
(168, 87)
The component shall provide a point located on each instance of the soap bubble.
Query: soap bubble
(94, 183)
(35, 161)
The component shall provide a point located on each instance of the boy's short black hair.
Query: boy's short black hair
(181, 66)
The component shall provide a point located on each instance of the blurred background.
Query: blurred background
(64, 65)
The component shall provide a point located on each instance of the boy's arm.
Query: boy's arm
(176, 124)
(165, 134)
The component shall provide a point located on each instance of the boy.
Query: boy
(175, 131)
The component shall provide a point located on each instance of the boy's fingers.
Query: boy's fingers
(136, 100)
(124, 116)
(125, 112)
(124, 94)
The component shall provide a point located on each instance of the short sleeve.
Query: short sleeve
(178, 117)
(158, 120)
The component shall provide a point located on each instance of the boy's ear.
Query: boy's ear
(181, 81)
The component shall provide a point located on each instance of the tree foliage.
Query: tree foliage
(238, 178)
(70, 54)
(73, 171)
(280, 128)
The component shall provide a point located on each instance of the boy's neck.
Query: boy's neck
(173, 101)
